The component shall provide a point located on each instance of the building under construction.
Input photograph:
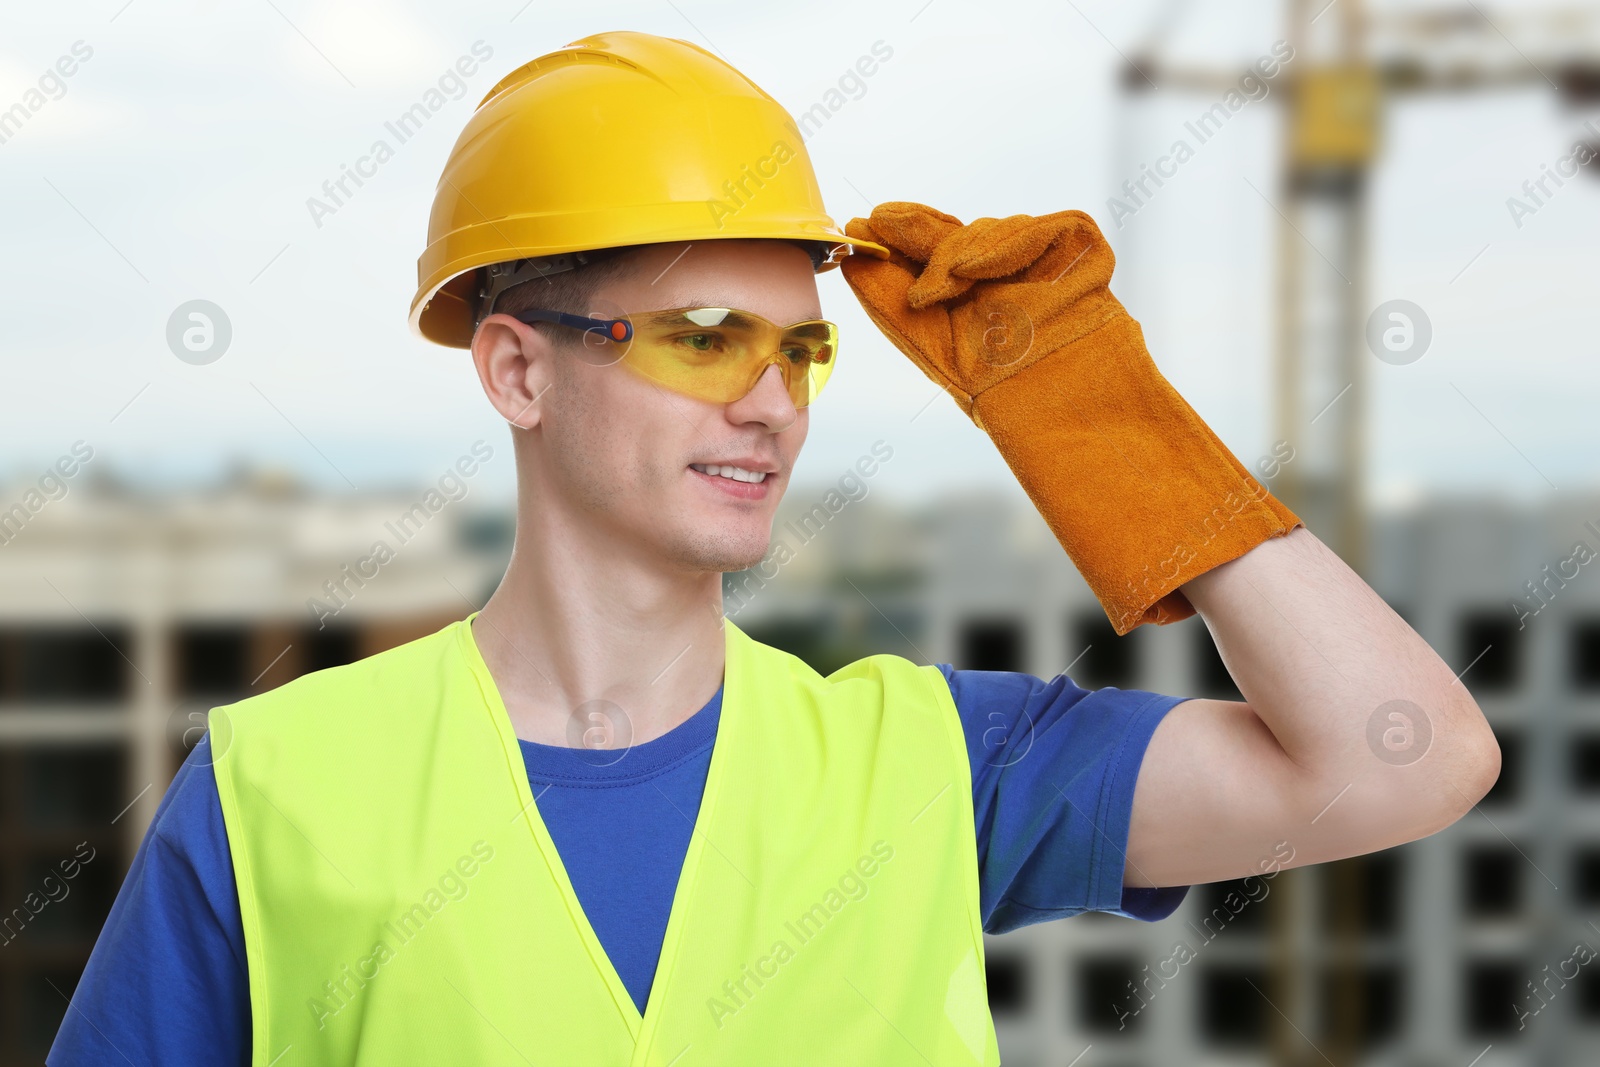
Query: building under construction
(124, 616)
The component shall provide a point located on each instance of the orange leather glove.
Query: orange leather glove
(1014, 318)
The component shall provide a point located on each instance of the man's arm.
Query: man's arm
(1015, 319)
(1318, 656)
(168, 981)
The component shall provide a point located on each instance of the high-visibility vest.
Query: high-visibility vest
(403, 902)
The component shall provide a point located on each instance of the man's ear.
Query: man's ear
(515, 366)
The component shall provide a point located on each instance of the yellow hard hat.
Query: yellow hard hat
(621, 138)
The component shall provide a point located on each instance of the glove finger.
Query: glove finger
(1078, 259)
(861, 229)
(1064, 249)
(885, 279)
(1007, 246)
(947, 275)
(912, 229)
(901, 225)
(1041, 248)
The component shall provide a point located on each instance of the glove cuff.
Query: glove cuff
(1136, 487)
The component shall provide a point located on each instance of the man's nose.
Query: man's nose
(768, 401)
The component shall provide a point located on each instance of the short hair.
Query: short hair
(571, 290)
(567, 290)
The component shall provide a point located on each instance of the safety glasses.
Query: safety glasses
(715, 354)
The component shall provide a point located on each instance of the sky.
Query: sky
(176, 163)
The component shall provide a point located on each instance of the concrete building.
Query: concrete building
(124, 616)
(1425, 954)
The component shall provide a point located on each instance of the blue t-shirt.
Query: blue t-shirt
(1053, 771)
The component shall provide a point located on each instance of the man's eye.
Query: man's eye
(797, 354)
(700, 342)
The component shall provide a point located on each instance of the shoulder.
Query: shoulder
(882, 678)
(384, 680)
(880, 703)
(167, 979)
(898, 681)
(1006, 714)
(185, 814)
(996, 705)
(1010, 689)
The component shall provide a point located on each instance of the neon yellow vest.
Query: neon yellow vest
(403, 902)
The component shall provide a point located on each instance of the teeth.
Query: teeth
(738, 474)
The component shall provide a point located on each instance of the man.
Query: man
(595, 823)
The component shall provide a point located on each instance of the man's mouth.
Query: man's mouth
(738, 474)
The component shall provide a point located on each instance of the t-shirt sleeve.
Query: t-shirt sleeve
(1053, 773)
(167, 981)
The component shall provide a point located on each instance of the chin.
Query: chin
(726, 549)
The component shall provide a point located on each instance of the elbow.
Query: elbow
(1483, 769)
(1455, 771)
(1467, 774)
(1477, 766)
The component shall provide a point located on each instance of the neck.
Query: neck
(592, 644)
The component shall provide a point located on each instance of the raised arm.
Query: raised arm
(1353, 736)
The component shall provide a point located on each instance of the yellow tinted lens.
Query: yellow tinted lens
(718, 353)
(810, 348)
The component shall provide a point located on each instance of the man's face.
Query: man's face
(622, 451)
